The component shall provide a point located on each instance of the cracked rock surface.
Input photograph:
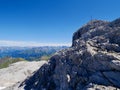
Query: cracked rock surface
(91, 63)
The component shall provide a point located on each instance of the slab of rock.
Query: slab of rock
(18, 72)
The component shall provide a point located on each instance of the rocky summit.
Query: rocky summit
(91, 63)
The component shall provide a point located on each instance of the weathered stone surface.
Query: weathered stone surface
(91, 63)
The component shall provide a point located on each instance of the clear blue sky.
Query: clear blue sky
(51, 21)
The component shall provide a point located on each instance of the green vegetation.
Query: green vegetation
(45, 58)
(5, 62)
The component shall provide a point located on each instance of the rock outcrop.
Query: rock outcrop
(92, 62)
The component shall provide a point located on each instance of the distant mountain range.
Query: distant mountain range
(29, 53)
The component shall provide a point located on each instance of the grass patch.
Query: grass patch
(45, 57)
(6, 62)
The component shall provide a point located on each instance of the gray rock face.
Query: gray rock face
(91, 63)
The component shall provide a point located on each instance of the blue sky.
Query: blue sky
(51, 21)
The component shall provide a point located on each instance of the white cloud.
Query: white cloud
(29, 43)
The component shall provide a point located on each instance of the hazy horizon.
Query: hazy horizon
(29, 43)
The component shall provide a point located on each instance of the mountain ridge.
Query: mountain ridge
(29, 53)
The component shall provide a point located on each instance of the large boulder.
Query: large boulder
(92, 62)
